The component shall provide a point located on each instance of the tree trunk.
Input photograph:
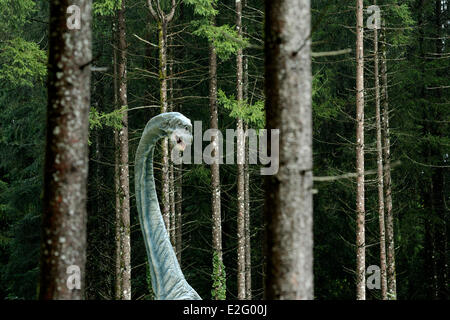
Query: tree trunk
(380, 173)
(163, 19)
(179, 182)
(123, 247)
(288, 203)
(219, 285)
(360, 210)
(117, 284)
(176, 177)
(248, 251)
(178, 191)
(172, 207)
(178, 210)
(63, 250)
(240, 165)
(172, 230)
(162, 28)
(390, 248)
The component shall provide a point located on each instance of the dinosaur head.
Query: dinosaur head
(178, 129)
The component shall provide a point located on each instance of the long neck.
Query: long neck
(168, 281)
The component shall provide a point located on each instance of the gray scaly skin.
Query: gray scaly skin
(168, 281)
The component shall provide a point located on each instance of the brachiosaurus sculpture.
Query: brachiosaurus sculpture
(168, 281)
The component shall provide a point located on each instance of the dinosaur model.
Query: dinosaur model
(168, 281)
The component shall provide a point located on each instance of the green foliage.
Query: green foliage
(22, 271)
(253, 114)
(219, 278)
(111, 119)
(21, 160)
(203, 8)
(403, 13)
(400, 15)
(106, 7)
(22, 62)
(13, 15)
(225, 38)
(200, 175)
(326, 106)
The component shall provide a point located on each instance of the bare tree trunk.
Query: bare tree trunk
(123, 248)
(360, 208)
(163, 20)
(172, 206)
(172, 229)
(162, 29)
(240, 165)
(179, 183)
(248, 251)
(390, 248)
(175, 177)
(288, 203)
(117, 284)
(63, 249)
(178, 199)
(219, 285)
(178, 210)
(380, 173)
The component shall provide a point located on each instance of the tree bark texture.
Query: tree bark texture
(63, 249)
(240, 166)
(248, 250)
(360, 200)
(288, 203)
(390, 248)
(380, 173)
(218, 266)
(163, 19)
(123, 246)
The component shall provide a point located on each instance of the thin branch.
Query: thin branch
(152, 10)
(330, 53)
(350, 174)
(147, 42)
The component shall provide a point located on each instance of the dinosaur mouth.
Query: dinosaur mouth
(180, 145)
(180, 139)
